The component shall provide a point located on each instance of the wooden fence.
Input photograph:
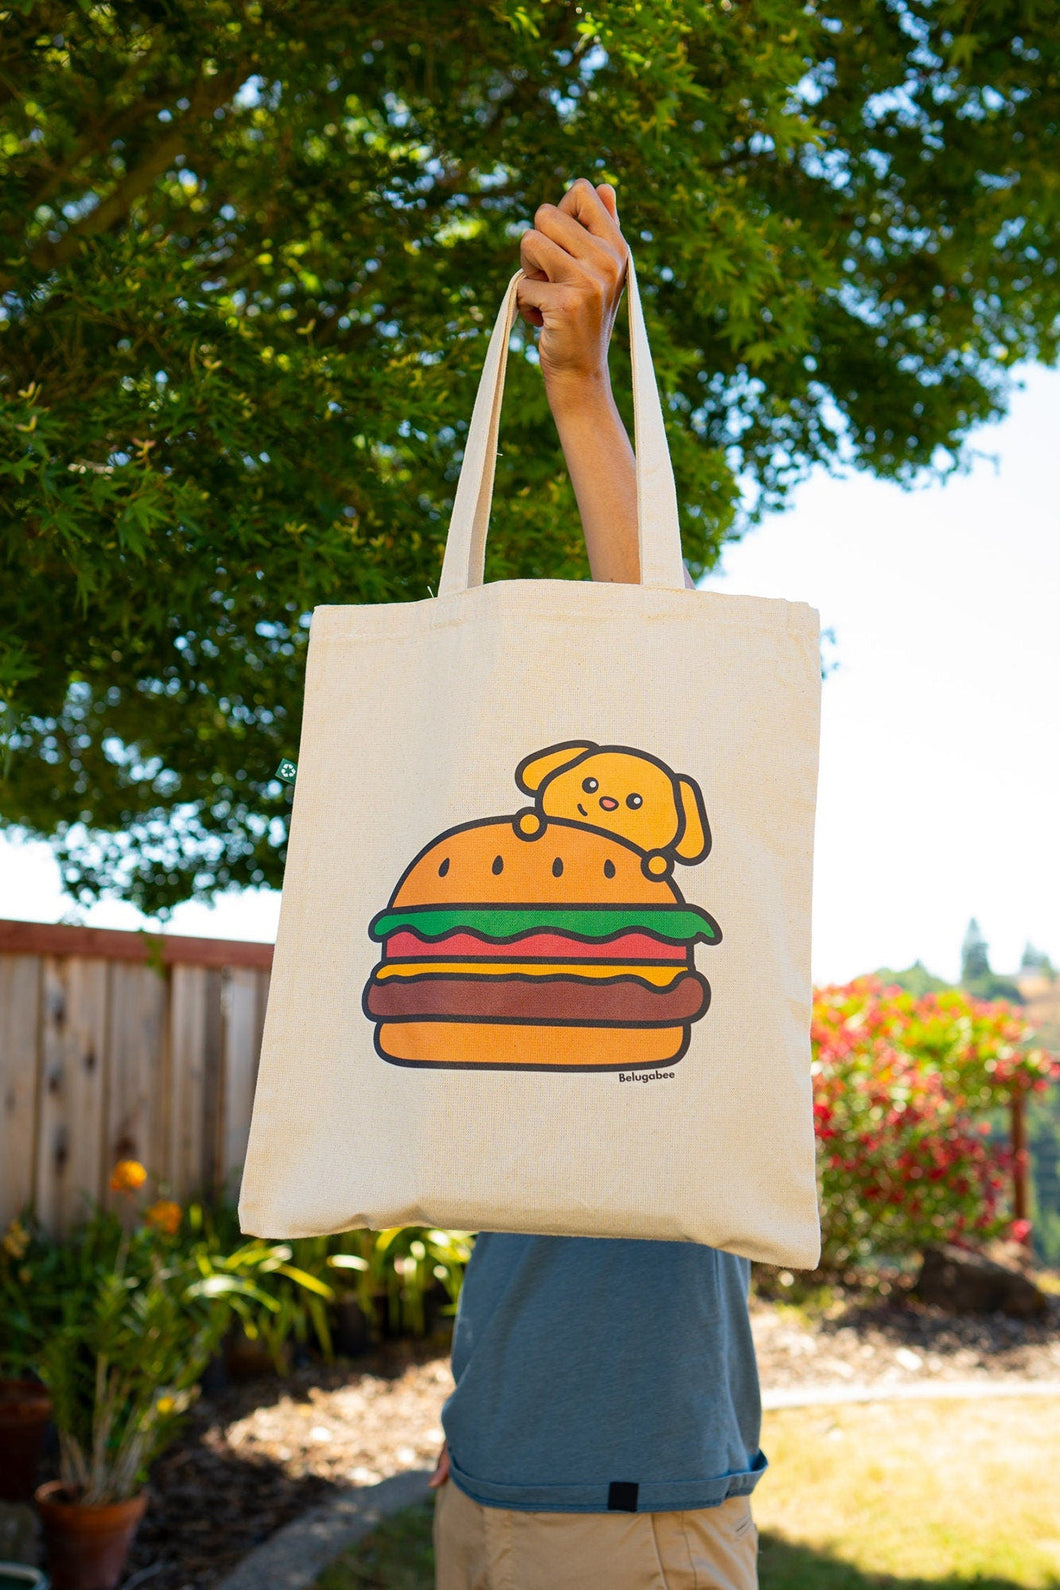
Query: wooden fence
(123, 1045)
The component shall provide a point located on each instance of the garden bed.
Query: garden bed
(845, 1335)
(257, 1455)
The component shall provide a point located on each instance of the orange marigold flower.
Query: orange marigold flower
(165, 1216)
(128, 1175)
(16, 1240)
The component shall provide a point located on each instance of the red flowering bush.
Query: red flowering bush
(901, 1089)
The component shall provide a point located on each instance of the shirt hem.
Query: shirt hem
(653, 1496)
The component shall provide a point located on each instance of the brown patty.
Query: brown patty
(556, 1001)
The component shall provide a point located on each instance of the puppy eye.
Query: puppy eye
(590, 785)
(444, 868)
(633, 801)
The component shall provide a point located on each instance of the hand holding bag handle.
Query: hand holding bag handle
(659, 533)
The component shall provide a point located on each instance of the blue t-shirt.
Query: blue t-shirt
(596, 1374)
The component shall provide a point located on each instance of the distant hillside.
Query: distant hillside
(916, 980)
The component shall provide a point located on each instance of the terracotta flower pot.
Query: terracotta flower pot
(25, 1409)
(86, 1546)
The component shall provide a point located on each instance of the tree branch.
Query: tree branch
(209, 94)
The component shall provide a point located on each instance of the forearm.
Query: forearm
(573, 265)
(603, 472)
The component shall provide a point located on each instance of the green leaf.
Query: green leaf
(310, 1282)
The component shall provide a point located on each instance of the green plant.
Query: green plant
(277, 1291)
(407, 1263)
(286, 1291)
(122, 1359)
(31, 1278)
(121, 1316)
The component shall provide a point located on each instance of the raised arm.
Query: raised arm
(575, 259)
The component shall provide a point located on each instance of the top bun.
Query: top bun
(488, 863)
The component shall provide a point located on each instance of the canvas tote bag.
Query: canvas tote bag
(543, 952)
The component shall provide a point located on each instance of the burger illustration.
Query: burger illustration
(548, 941)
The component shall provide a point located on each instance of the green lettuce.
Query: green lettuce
(679, 924)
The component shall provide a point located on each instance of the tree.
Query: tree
(976, 975)
(975, 955)
(1034, 960)
(248, 255)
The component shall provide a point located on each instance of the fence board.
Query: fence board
(19, 1019)
(73, 1039)
(242, 1040)
(213, 1086)
(137, 1055)
(184, 1168)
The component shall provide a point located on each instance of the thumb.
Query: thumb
(610, 198)
(441, 1469)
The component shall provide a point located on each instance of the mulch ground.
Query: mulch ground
(256, 1455)
(886, 1341)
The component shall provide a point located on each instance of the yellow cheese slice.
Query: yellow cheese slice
(658, 976)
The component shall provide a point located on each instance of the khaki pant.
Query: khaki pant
(497, 1548)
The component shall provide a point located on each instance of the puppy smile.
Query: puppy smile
(581, 808)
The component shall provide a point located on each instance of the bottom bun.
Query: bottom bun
(510, 1047)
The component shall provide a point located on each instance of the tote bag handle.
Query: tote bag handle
(659, 534)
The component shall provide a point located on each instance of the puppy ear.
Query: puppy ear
(535, 769)
(693, 842)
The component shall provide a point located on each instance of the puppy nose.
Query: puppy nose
(608, 802)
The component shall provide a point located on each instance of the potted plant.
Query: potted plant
(143, 1305)
(134, 1333)
(25, 1406)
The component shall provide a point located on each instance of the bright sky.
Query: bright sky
(940, 761)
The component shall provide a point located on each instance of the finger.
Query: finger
(609, 199)
(530, 311)
(567, 228)
(541, 299)
(544, 261)
(585, 204)
(547, 298)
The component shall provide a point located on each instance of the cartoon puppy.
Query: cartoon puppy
(618, 790)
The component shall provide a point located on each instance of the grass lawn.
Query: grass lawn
(396, 1556)
(912, 1494)
(885, 1496)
